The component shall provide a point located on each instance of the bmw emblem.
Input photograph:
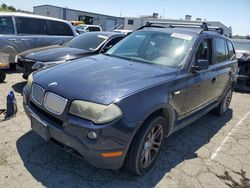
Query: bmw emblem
(52, 84)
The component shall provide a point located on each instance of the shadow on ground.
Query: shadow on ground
(55, 168)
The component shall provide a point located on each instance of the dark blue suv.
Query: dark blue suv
(115, 109)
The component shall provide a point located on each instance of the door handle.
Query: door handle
(13, 40)
(213, 80)
(25, 39)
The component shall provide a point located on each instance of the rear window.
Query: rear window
(93, 29)
(59, 28)
(87, 41)
(31, 26)
(220, 50)
(6, 26)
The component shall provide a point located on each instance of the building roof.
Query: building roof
(46, 5)
(30, 16)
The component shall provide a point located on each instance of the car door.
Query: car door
(201, 85)
(35, 33)
(223, 63)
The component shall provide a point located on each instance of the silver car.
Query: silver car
(20, 32)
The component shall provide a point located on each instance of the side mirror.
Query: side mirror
(201, 64)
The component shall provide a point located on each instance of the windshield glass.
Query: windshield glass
(242, 46)
(153, 47)
(87, 41)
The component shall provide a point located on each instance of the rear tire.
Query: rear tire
(2, 76)
(225, 103)
(146, 146)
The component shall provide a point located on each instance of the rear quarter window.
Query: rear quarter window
(231, 50)
(31, 26)
(6, 26)
(221, 53)
(59, 28)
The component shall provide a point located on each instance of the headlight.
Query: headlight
(30, 80)
(99, 114)
(41, 65)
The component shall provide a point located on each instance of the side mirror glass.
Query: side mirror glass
(201, 64)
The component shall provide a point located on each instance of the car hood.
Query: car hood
(101, 79)
(54, 53)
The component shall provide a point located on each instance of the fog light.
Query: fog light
(92, 135)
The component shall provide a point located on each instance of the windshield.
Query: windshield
(153, 47)
(242, 46)
(87, 41)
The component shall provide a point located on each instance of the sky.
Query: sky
(235, 13)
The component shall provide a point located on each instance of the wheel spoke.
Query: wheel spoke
(151, 145)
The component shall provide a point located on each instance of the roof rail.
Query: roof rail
(203, 26)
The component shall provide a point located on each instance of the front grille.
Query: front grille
(54, 103)
(47, 115)
(37, 93)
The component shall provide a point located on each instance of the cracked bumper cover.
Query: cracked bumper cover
(112, 137)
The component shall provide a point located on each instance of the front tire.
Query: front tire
(225, 103)
(146, 146)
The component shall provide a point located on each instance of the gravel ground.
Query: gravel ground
(212, 152)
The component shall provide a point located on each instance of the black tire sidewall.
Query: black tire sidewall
(2, 76)
(223, 101)
(138, 144)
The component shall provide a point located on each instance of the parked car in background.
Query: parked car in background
(116, 108)
(242, 47)
(20, 32)
(83, 28)
(83, 45)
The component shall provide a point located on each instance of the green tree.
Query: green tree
(4, 6)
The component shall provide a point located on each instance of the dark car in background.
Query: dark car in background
(81, 46)
(242, 47)
(116, 108)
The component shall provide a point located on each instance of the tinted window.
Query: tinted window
(204, 51)
(87, 41)
(59, 28)
(6, 26)
(111, 43)
(231, 50)
(220, 50)
(31, 26)
(93, 28)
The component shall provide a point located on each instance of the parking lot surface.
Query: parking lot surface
(212, 152)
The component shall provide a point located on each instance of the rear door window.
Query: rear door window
(220, 50)
(59, 28)
(6, 26)
(31, 26)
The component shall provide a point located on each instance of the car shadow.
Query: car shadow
(54, 167)
(18, 87)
